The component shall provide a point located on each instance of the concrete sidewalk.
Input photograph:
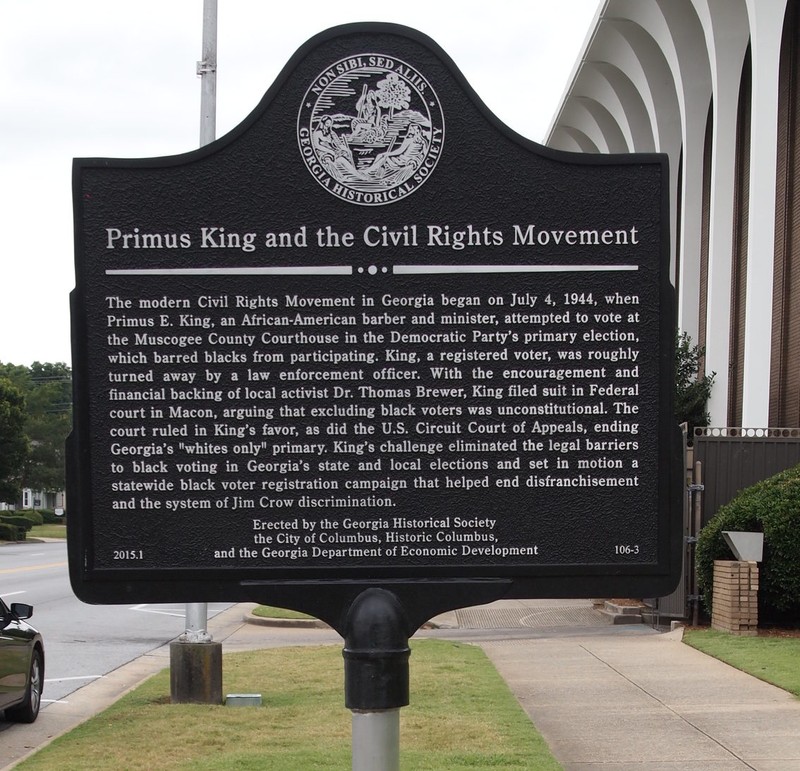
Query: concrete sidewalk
(620, 697)
(627, 698)
(648, 702)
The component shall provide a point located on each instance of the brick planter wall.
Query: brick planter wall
(735, 603)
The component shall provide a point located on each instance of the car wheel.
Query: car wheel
(29, 709)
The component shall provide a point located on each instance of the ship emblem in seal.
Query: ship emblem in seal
(370, 129)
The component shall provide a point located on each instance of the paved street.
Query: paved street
(82, 642)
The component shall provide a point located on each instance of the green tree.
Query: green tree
(48, 395)
(692, 388)
(13, 441)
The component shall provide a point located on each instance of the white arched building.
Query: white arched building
(714, 84)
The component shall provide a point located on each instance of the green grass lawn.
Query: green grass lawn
(48, 531)
(462, 716)
(270, 611)
(771, 658)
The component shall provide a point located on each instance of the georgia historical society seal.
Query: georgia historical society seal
(370, 129)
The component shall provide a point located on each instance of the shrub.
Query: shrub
(10, 532)
(34, 516)
(49, 517)
(19, 521)
(771, 507)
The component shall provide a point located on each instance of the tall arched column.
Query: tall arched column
(766, 24)
(727, 34)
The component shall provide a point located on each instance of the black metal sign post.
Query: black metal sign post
(372, 340)
(376, 679)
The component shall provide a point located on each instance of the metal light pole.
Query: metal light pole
(207, 70)
(196, 661)
(197, 613)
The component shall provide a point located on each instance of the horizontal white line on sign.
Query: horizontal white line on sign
(323, 270)
(509, 268)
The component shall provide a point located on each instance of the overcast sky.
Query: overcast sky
(87, 78)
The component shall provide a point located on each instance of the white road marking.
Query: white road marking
(145, 609)
(179, 612)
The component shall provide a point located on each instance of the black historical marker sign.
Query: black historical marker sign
(372, 335)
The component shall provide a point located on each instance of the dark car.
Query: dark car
(21, 664)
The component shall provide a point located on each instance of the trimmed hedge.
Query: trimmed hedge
(19, 521)
(9, 532)
(771, 507)
(37, 516)
(34, 516)
(49, 517)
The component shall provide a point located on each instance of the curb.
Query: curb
(623, 614)
(315, 623)
(286, 623)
